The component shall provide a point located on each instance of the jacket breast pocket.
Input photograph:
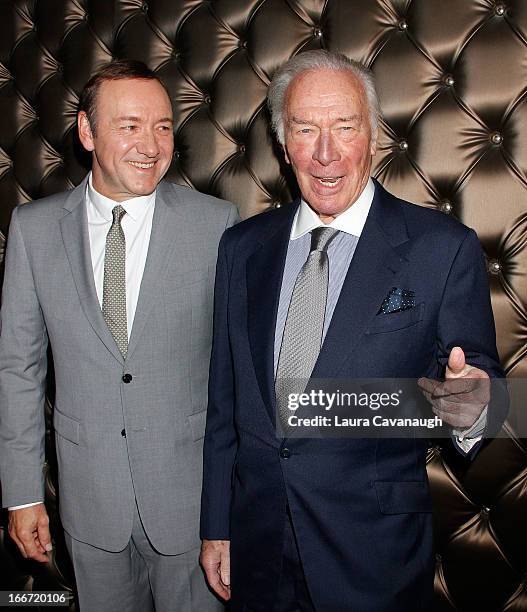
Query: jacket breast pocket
(396, 320)
(66, 427)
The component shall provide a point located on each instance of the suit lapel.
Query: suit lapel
(265, 268)
(74, 229)
(379, 256)
(170, 227)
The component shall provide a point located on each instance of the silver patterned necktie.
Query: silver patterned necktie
(304, 325)
(114, 285)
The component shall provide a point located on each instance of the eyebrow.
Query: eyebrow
(138, 119)
(349, 118)
(301, 121)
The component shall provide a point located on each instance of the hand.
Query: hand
(461, 398)
(216, 561)
(29, 528)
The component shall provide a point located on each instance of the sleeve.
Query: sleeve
(220, 443)
(466, 320)
(23, 365)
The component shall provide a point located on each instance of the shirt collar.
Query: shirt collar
(135, 207)
(350, 221)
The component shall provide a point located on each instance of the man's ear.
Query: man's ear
(286, 156)
(373, 144)
(85, 132)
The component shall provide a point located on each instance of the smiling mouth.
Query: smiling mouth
(142, 165)
(328, 181)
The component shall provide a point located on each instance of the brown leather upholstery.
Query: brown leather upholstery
(452, 80)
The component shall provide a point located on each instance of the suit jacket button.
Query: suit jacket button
(127, 378)
(123, 433)
(285, 453)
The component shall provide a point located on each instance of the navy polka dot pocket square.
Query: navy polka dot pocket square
(397, 300)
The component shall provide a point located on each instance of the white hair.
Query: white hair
(318, 60)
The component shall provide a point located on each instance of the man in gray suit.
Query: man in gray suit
(117, 275)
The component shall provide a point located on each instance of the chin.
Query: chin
(145, 189)
(327, 210)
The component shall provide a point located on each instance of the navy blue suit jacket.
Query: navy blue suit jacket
(360, 507)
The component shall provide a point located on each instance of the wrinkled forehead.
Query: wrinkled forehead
(328, 91)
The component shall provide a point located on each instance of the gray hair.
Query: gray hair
(318, 60)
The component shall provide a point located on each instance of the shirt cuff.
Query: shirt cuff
(467, 438)
(25, 505)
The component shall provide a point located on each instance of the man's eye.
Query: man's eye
(305, 130)
(128, 128)
(165, 128)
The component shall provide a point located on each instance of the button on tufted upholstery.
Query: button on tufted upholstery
(452, 77)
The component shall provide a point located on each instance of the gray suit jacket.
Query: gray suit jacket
(49, 293)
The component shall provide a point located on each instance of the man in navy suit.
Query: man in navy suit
(335, 525)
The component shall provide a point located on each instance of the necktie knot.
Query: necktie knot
(321, 237)
(118, 213)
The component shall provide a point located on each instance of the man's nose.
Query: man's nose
(326, 150)
(147, 144)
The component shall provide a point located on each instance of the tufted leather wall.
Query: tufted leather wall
(452, 77)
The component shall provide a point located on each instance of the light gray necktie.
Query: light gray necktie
(114, 285)
(304, 325)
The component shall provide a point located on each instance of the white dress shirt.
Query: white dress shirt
(137, 227)
(351, 221)
(340, 253)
